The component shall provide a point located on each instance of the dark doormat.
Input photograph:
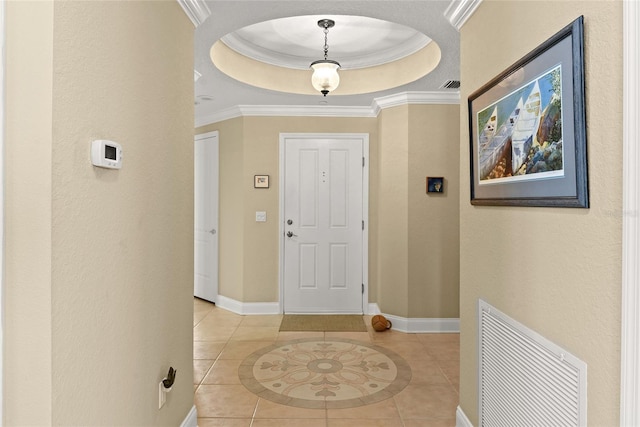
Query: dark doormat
(323, 322)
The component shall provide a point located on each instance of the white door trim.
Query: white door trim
(365, 208)
(2, 105)
(630, 351)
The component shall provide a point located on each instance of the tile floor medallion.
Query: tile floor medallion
(334, 373)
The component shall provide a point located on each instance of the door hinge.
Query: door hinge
(363, 289)
(363, 162)
(363, 224)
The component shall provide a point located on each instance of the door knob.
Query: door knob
(212, 231)
(289, 221)
(290, 234)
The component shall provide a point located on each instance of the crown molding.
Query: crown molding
(306, 111)
(284, 110)
(196, 10)
(218, 116)
(415, 98)
(460, 10)
(379, 104)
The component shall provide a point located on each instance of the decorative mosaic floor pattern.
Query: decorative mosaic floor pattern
(332, 374)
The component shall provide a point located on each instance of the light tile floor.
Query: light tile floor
(223, 339)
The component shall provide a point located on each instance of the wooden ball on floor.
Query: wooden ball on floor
(380, 323)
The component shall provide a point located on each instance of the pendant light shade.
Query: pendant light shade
(325, 76)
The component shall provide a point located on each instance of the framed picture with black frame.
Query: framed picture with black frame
(435, 184)
(527, 129)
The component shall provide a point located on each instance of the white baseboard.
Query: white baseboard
(402, 324)
(418, 325)
(461, 419)
(373, 309)
(191, 420)
(414, 325)
(247, 308)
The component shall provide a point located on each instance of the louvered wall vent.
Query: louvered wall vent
(526, 380)
(451, 84)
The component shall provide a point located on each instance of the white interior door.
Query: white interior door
(323, 225)
(206, 162)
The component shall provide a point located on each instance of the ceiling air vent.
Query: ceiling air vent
(451, 84)
(203, 98)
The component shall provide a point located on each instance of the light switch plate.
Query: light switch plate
(261, 216)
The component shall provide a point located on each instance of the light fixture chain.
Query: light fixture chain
(326, 46)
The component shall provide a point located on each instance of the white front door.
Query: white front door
(323, 225)
(206, 216)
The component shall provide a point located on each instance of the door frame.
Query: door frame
(365, 208)
(2, 106)
(630, 328)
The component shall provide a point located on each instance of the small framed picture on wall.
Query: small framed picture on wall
(261, 181)
(435, 184)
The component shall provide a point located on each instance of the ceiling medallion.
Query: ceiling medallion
(325, 76)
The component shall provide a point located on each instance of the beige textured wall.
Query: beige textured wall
(434, 241)
(27, 282)
(256, 151)
(393, 212)
(418, 246)
(119, 262)
(413, 238)
(231, 223)
(555, 270)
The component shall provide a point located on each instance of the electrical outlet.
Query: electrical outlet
(162, 395)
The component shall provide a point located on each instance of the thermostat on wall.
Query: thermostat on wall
(106, 154)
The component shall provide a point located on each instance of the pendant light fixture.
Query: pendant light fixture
(325, 76)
